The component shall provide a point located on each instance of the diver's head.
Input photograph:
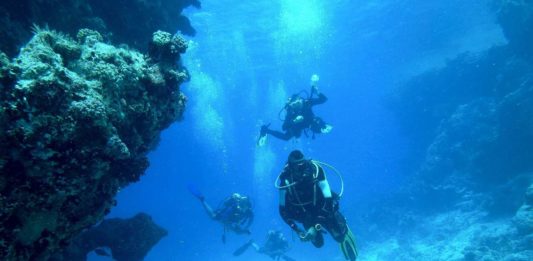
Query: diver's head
(296, 102)
(296, 159)
(240, 202)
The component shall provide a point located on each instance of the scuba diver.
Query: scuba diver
(299, 117)
(306, 197)
(235, 212)
(276, 245)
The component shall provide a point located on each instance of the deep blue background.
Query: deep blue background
(247, 58)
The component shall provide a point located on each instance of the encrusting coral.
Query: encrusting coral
(77, 118)
(111, 18)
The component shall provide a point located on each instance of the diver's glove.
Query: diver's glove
(314, 80)
(261, 141)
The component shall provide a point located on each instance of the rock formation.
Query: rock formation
(77, 119)
(129, 239)
(117, 20)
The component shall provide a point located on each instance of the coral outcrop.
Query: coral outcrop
(523, 218)
(129, 239)
(118, 20)
(77, 119)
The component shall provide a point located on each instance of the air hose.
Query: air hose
(322, 164)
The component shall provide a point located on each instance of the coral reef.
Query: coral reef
(115, 19)
(470, 124)
(77, 119)
(471, 132)
(457, 236)
(523, 218)
(129, 239)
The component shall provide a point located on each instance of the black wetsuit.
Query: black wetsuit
(306, 204)
(294, 129)
(236, 214)
(275, 246)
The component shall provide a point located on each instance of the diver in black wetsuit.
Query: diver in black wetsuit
(306, 198)
(299, 117)
(275, 246)
(235, 213)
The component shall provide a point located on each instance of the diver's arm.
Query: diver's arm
(284, 213)
(243, 226)
(249, 219)
(321, 99)
(286, 217)
(324, 187)
(323, 183)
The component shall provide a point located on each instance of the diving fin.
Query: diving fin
(261, 141)
(286, 258)
(195, 192)
(348, 247)
(243, 248)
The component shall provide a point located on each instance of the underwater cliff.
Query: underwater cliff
(470, 131)
(77, 119)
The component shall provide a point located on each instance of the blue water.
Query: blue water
(246, 59)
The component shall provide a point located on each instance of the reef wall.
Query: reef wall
(121, 21)
(469, 123)
(470, 128)
(77, 119)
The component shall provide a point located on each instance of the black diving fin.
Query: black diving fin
(348, 246)
(286, 258)
(243, 248)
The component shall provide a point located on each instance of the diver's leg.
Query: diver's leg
(320, 126)
(280, 135)
(339, 230)
(336, 225)
(318, 242)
